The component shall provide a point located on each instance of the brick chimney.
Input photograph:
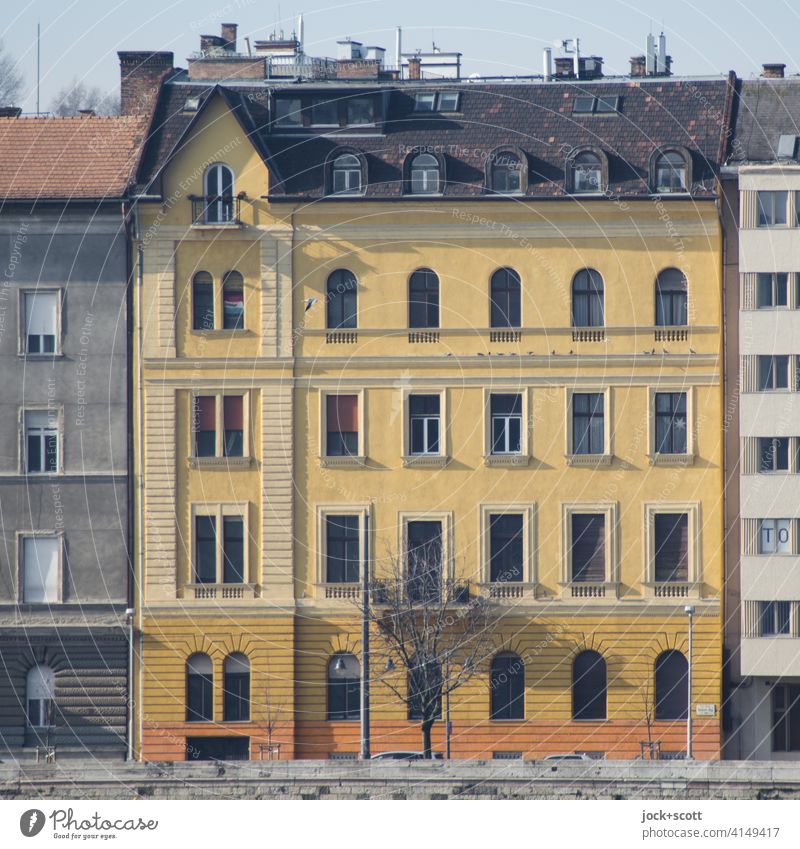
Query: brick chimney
(228, 32)
(141, 73)
(565, 68)
(415, 68)
(773, 70)
(638, 66)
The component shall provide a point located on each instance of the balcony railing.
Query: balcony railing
(586, 334)
(341, 337)
(225, 592)
(350, 591)
(590, 590)
(671, 334)
(421, 592)
(423, 336)
(216, 210)
(505, 336)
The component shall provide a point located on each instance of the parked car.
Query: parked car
(404, 756)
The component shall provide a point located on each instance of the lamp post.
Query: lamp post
(447, 728)
(689, 610)
(364, 712)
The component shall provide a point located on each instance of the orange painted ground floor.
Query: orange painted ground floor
(529, 739)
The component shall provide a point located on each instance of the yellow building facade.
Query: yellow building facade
(306, 364)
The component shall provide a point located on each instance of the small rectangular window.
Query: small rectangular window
(40, 570)
(584, 105)
(607, 105)
(671, 547)
(425, 101)
(233, 425)
(424, 559)
(205, 426)
(774, 536)
(41, 442)
(424, 423)
(587, 547)
(41, 322)
(288, 112)
(671, 422)
(506, 412)
(324, 112)
(773, 372)
(773, 454)
(202, 303)
(205, 566)
(772, 208)
(588, 425)
(342, 550)
(448, 101)
(772, 290)
(506, 549)
(342, 425)
(360, 110)
(774, 618)
(233, 549)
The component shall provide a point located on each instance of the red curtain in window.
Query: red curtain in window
(233, 411)
(205, 413)
(342, 413)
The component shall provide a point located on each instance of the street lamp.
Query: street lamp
(689, 610)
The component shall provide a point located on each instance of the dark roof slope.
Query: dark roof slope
(533, 116)
(766, 110)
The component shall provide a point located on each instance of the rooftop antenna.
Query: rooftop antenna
(38, 63)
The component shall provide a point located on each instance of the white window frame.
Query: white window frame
(610, 509)
(773, 276)
(791, 385)
(792, 537)
(322, 443)
(58, 419)
(694, 552)
(22, 340)
(791, 451)
(655, 458)
(60, 542)
(772, 193)
(361, 509)
(606, 457)
(446, 519)
(219, 459)
(410, 459)
(220, 511)
(528, 512)
(522, 458)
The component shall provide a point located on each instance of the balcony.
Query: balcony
(421, 337)
(503, 591)
(588, 591)
(347, 592)
(216, 211)
(221, 592)
(505, 335)
(671, 334)
(677, 590)
(341, 337)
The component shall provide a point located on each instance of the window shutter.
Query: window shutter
(588, 548)
(233, 406)
(40, 570)
(206, 413)
(342, 413)
(40, 313)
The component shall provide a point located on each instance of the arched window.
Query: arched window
(40, 694)
(344, 687)
(202, 301)
(425, 176)
(425, 689)
(507, 682)
(346, 176)
(342, 299)
(233, 301)
(199, 688)
(505, 296)
(587, 173)
(671, 173)
(672, 683)
(219, 194)
(588, 686)
(236, 683)
(423, 299)
(506, 173)
(671, 299)
(587, 299)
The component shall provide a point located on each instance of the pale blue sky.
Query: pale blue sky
(80, 37)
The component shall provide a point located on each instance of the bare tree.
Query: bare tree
(431, 628)
(11, 79)
(76, 95)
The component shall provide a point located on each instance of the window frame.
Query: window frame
(219, 457)
(232, 694)
(214, 306)
(572, 167)
(759, 207)
(445, 517)
(359, 458)
(205, 676)
(791, 373)
(220, 511)
(787, 710)
(654, 457)
(23, 441)
(492, 162)
(664, 151)
(360, 167)
(329, 325)
(350, 713)
(439, 459)
(573, 712)
(522, 458)
(363, 511)
(792, 537)
(22, 336)
(774, 287)
(659, 296)
(427, 304)
(592, 293)
(511, 272)
(694, 571)
(513, 702)
(589, 459)
(612, 566)
(59, 537)
(520, 508)
(221, 199)
(280, 122)
(412, 157)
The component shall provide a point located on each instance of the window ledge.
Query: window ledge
(430, 460)
(219, 462)
(671, 459)
(507, 591)
(671, 590)
(222, 332)
(506, 460)
(589, 459)
(346, 461)
(589, 591)
(216, 592)
(24, 355)
(217, 225)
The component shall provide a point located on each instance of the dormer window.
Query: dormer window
(448, 101)
(506, 173)
(425, 101)
(670, 172)
(288, 112)
(587, 173)
(360, 110)
(436, 101)
(346, 174)
(425, 177)
(324, 112)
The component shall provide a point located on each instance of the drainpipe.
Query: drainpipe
(139, 462)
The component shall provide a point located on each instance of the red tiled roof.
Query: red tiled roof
(82, 157)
